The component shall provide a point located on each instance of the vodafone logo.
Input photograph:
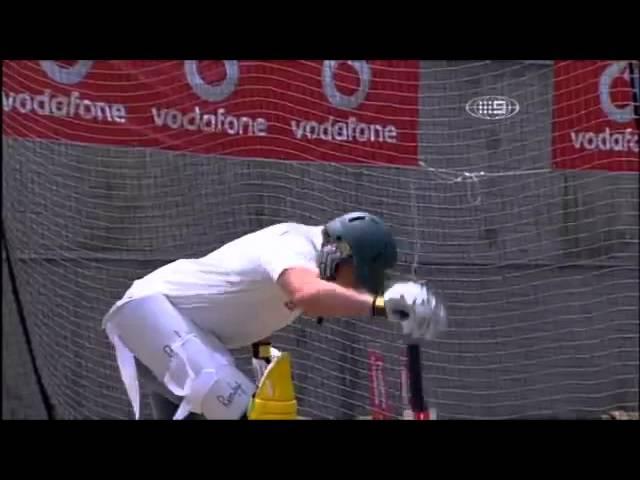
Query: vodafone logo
(350, 129)
(73, 104)
(612, 132)
(200, 119)
(219, 92)
(337, 99)
(66, 75)
(212, 93)
(615, 113)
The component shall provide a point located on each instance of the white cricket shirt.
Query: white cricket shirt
(232, 292)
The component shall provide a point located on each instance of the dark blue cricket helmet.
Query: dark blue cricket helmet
(364, 239)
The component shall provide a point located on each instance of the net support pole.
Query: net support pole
(23, 325)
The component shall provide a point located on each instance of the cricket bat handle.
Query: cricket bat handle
(414, 372)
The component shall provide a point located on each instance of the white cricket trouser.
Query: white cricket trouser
(191, 363)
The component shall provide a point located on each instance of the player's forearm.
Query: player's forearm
(331, 300)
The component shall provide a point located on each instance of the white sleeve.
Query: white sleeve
(289, 250)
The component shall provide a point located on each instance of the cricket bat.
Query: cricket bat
(417, 405)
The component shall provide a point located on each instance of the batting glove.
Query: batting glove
(416, 308)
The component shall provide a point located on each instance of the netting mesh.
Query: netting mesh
(539, 266)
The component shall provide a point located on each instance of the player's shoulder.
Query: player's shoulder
(289, 228)
(282, 232)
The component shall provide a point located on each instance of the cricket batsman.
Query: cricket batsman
(176, 325)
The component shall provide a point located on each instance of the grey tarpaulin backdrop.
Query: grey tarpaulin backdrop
(540, 269)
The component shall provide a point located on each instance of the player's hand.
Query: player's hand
(418, 310)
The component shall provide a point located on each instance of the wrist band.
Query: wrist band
(377, 307)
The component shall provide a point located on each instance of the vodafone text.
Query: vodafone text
(622, 141)
(220, 121)
(63, 106)
(344, 131)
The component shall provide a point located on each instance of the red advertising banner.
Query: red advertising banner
(377, 386)
(594, 124)
(336, 111)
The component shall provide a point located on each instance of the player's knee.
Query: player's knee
(208, 384)
(228, 396)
